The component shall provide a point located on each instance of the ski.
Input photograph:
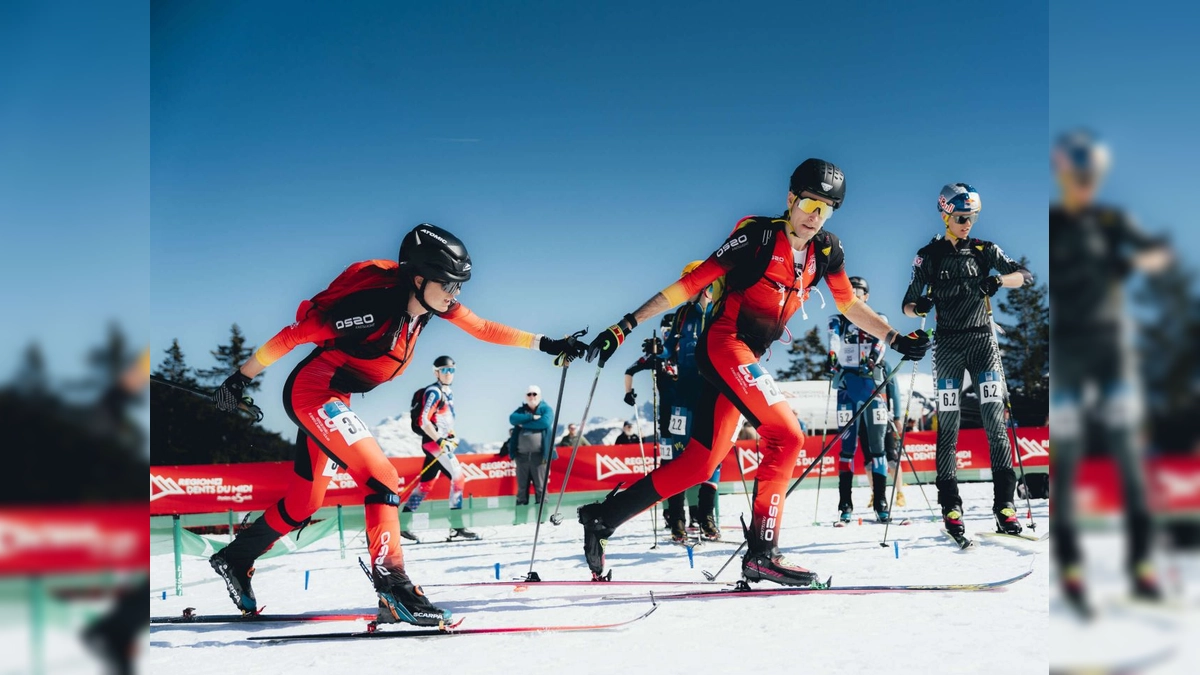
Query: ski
(1027, 537)
(961, 540)
(572, 582)
(446, 632)
(742, 590)
(842, 523)
(189, 616)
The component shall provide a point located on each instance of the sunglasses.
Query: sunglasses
(810, 205)
(447, 370)
(963, 219)
(531, 395)
(450, 287)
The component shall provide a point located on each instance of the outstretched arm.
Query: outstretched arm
(488, 331)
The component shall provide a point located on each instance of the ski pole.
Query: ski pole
(1009, 425)
(657, 440)
(913, 468)
(408, 488)
(742, 472)
(537, 529)
(912, 384)
(824, 431)
(824, 450)
(246, 405)
(637, 416)
(556, 517)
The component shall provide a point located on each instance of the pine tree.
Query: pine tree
(1171, 324)
(188, 429)
(174, 367)
(229, 357)
(808, 358)
(1025, 350)
(108, 360)
(33, 379)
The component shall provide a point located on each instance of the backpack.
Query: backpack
(360, 276)
(356, 290)
(417, 407)
(827, 251)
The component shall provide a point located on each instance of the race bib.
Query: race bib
(678, 425)
(879, 415)
(991, 387)
(844, 415)
(947, 394)
(849, 355)
(346, 422)
(766, 384)
(666, 451)
(331, 469)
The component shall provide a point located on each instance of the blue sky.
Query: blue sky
(583, 153)
(1130, 76)
(74, 178)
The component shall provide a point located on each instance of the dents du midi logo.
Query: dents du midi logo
(165, 486)
(607, 467)
(1030, 449)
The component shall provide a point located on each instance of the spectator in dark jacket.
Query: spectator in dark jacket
(531, 444)
(627, 436)
(568, 438)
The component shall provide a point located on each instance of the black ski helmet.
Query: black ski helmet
(442, 362)
(820, 178)
(435, 254)
(859, 282)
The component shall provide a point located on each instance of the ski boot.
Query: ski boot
(237, 581)
(462, 534)
(769, 564)
(1145, 583)
(882, 513)
(878, 501)
(1006, 519)
(845, 513)
(679, 533)
(595, 537)
(709, 528)
(952, 520)
(400, 600)
(1075, 592)
(900, 500)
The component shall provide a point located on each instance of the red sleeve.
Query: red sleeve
(695, 281)
(310, 329)
(488, 331)
(843, 293)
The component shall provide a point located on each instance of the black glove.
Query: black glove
(913, 346)
(631, 397)
(607, 342)
(228, 396)
(989, 285)
(568, 348)
(922, 306)
(652, 346)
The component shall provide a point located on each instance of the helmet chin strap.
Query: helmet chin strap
(421, 296)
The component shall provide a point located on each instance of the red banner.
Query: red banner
(1173, 486)
(73, 539)
(214, 488)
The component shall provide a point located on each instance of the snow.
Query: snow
(1126, 637)
(898, 633)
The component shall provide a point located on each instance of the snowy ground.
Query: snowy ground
(1127, 637)
(895, 633)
